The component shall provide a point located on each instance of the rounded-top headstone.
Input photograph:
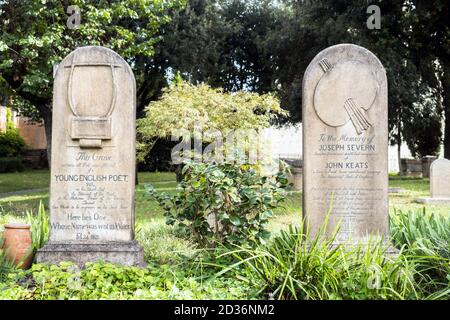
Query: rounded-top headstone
(345, 132)
(93, 160)
(440, 178)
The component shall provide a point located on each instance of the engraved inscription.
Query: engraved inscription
(345, 143)
(93, 149)
(88, 207)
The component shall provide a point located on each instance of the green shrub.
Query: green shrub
(426, 237)
(9, 120)
(11, 144)
(292, 267)
(12, 147)
(368, 273)
(161, 243)
(11, 165)
(6, 266)
(109, 281)
(223, 203)
(409, 227)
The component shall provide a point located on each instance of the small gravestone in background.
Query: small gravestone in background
(93, 161)
(295, 177)
(411, 168)
(345, 146)
(439, 183)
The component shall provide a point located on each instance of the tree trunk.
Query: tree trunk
(178, 172)
(399, 147)
(399, 155)
(136, 179)
(446, 104)
(46, 113)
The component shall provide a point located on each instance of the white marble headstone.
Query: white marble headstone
(440, 178)
(345, 143)
(93, 160)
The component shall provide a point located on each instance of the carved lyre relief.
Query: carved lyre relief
(92, 91)
(345, 92)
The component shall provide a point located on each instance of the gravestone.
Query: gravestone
(439, 183)
(93, 161)
(345, 144)
(296, 178)
(411, 168)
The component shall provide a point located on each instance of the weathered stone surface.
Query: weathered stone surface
(345, 132)
(296, 178)
(440, 178)
(127, 253)
(439, 183)
(434, 201)
(93, 160)
(411, 168)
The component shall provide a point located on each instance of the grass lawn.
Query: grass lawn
(150, 216)
(412, 189)
(33, 179)
(159, 240)
(146, 209)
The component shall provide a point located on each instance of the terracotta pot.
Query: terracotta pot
(18, 244)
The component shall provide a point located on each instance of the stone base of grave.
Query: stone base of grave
(128, 253)
(389, 249)
(433, 200)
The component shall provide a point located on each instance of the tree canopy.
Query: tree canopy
(257, 46)
(36, 36)
(265, 46)
(186, 106)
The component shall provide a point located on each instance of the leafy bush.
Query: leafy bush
(109, 281)
(292, 267)
(186, 106)
(11, 165)
(9, 120)
(12, 146)
(223, 203)
(161, 243)
(410, 227)
(11, 143)
(6, 266)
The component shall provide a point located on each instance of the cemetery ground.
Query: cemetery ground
(23, 191)
(179, 269)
